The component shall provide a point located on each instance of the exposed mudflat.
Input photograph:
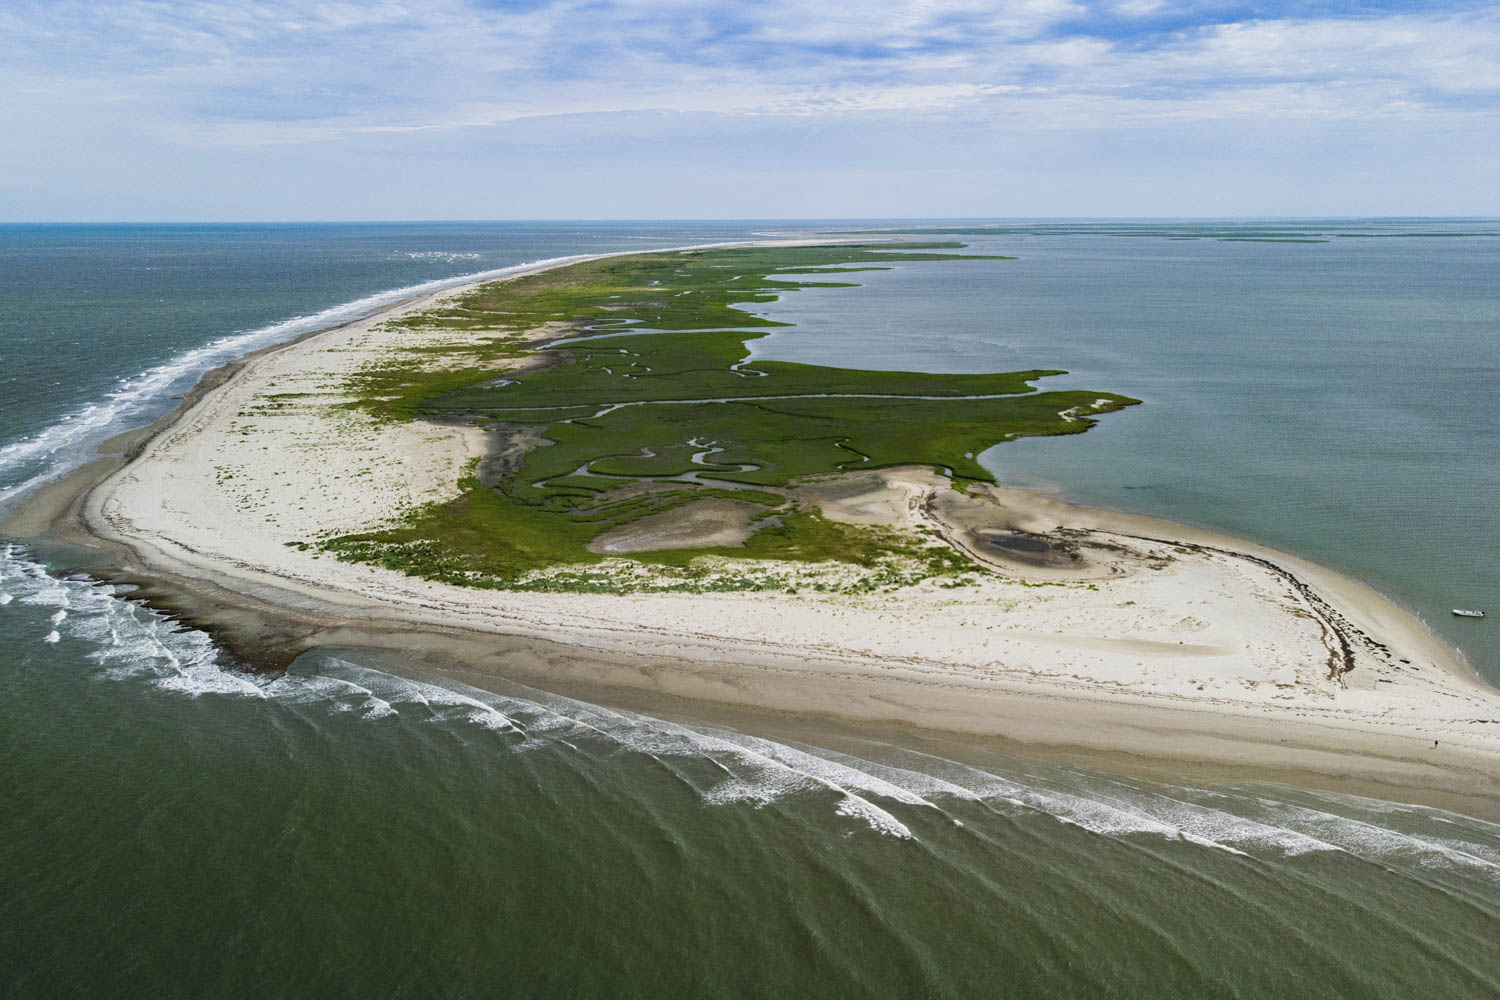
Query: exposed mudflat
(702, 524)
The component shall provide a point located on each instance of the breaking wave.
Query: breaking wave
(49, 453)
(875, 787)
(38, 458)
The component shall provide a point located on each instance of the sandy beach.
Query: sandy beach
(1152, 643)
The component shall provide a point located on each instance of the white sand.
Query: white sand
(219, 495)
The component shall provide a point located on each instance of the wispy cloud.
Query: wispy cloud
(391, 65)
(199, 76)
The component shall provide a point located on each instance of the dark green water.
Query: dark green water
(172, 828)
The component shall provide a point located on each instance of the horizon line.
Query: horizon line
(753, 219)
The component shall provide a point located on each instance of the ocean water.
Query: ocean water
(172, 827)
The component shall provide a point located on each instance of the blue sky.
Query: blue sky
(153, 109)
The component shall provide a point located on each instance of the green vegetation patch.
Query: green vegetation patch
(649, 398)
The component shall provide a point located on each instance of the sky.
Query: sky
(491, 109)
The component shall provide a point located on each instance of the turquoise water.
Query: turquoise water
(171, 827)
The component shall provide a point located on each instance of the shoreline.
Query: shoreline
(250, 609)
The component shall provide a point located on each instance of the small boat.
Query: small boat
(1462, 613)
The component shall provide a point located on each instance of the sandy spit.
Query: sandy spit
(1153, 646)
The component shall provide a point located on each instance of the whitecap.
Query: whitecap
(339, 695)
(745, 770)
(759, 772)
(48, 453)
(847, 773)
(876, 818)
(724, 767)
(387, 692)
(1093, 803)
(63, 442)
(130, 642)
(1380, 842)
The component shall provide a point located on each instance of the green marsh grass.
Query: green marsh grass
(652, 367)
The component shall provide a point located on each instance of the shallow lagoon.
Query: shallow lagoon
(1338, 400)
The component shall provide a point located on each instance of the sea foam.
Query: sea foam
(38, 458)
(879, 787)
(46, 455)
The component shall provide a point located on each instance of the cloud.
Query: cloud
(395, 67)
(403, 76)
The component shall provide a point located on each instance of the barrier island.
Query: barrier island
(582, 476)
